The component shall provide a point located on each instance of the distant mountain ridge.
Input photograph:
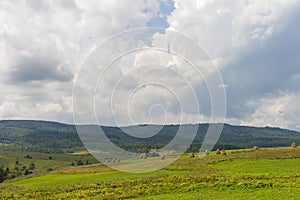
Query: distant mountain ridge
(55, 137)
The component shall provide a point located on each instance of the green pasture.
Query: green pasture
(241, 174)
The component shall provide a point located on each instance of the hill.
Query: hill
(54, 137)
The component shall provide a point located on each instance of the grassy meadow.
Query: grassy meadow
(241, 174)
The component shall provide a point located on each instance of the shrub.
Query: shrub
(28, 156)
(26, 172)
(49, 169)
(3, 174)
(80, 162)
(31, 166)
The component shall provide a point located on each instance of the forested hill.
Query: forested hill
(53, 137)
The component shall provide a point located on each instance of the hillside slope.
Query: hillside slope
(53, 137)
(271, 173)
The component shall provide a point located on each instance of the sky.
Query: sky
(254, 45)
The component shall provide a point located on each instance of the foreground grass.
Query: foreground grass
(261, 174)
(57, 179)
(239, 193)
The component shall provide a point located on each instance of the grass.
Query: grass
(261, 166)
(42, 160)
(65, 179)
(209, 193)
(242, 174)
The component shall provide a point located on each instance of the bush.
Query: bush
(49, 169)
(26, 172)
(3, 174)
(28, 156)
(80, 162)
(31, 166)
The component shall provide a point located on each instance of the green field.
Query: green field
(242, 174)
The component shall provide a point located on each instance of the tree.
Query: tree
(49, 169)
(26, 172)
(80, 162)
(28, 156)
(3, 174)
(31, 166)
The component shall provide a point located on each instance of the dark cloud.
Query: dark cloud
(265, 69)
(39, 68)
(33, 73)
(38, 5)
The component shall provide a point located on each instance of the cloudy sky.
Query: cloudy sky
(255, 45)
